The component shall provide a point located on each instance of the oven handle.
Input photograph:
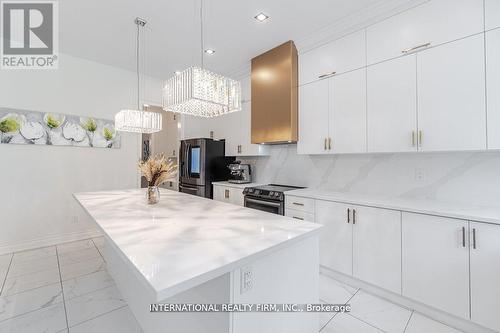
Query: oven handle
(262, 202)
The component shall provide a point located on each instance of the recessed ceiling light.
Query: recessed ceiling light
(261, 17)
(209, 51)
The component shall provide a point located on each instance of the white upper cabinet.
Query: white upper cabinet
(492, 14)
(435, 260)
(434, 22)
(392, 106)
(339, 56)
(484, 274)
(493, 87)
(377, 246)
(313, 118)
(348, 112)
(451, 96)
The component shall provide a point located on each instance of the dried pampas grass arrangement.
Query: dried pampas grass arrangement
(158, 170)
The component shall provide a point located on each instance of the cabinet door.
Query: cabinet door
(247, 147)
(348, 112)
(377, 247)
(219, 193)
(493, 87)
(484, 273)
(392, 105)
(492, 14)
(230, 126)
(341, 55)
(335, 242)
(313, 118)
(451, 96)
(436, 262)
(236, 196)
(434, 22)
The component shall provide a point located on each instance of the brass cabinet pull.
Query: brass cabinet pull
(420, 136)
(416, 48)
(298, 218)
(348, 215)
(298, 203)
(474, 238)
(326, 140)
(354, 216)
(413, 138)
(226, 194)
(322, 76)
(329, 143)
(463, 236)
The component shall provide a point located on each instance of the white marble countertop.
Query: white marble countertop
(432, 207)
(234, 185)
(185, 240)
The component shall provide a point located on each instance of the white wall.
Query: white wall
(461, 177)
(37, 182)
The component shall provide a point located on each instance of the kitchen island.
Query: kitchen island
(188, 249)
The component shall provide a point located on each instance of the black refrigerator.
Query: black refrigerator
(201, 162)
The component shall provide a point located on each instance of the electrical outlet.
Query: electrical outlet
(419, 174)
(246, 279)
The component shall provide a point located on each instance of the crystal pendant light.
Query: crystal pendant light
(138, 121)
(199, 92)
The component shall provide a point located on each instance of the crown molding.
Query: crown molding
(359, 20)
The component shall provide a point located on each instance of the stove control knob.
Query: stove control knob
(271, 193)
(257, 192)
(276, 194)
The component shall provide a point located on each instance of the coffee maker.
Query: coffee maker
(240, 173)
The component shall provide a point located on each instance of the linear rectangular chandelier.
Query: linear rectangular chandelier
(200, 92)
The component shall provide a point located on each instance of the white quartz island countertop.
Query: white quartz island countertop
(185, 240)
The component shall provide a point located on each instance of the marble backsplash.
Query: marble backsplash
(460, 177)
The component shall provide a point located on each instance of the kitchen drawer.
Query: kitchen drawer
(299, 215)
(299, 203)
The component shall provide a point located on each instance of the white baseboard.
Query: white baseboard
(438, 315)
(47, 241)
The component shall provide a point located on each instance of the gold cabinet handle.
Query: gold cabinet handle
(298, 218)
(420, 137)
(322, 76)
(326, 141)
(416, 48)
(348, 215)
(354, 216)
(413, 138)
(329, 143)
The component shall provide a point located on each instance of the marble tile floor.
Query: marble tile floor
(66, 288)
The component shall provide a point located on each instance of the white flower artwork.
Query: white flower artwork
(31, 127)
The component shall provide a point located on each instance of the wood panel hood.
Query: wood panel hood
(275, 95)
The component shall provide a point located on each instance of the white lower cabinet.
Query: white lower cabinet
(335, 242)
(484, 273)
(377, 246)
(435, 258)
(299, 215)
(232, 195)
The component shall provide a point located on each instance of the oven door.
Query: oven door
(275, 207)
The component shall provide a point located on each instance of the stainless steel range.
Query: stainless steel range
(269, 198)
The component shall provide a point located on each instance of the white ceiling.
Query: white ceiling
(103, 30)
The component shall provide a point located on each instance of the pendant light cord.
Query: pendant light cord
(202, 43)
(137, 67)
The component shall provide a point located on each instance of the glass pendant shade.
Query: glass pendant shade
(199, 92)
(138, 121)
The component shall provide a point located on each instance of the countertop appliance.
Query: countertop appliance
(201, 162)
(275, 95)
(269, 198)
(240, 173)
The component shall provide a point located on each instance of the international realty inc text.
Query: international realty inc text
(230, 307)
